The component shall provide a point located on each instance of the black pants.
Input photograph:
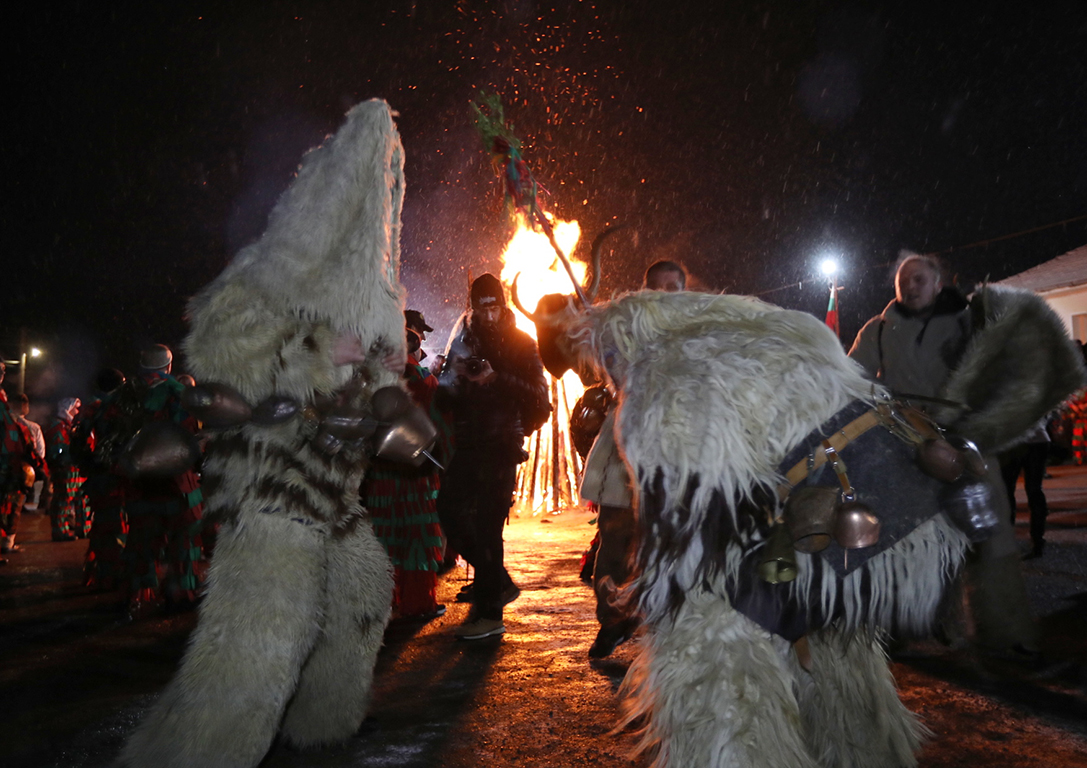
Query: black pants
(615, 559)
(1029, 459)
(12, 511)
(473, 506)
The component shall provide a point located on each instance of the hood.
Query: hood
(327, 264)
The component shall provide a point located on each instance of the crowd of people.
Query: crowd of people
(148, 537)
(715, 431)
(144, 534)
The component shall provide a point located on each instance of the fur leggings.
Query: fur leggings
(287, 638)
(712, 689)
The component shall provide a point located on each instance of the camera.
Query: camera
(473, 366)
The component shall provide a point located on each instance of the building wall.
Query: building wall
(1071, 305)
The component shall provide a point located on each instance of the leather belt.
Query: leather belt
(837, 441)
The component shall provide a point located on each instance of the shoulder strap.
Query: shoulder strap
(879, 344)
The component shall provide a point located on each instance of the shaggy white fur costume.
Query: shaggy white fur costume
(299, 589)
(715, 391)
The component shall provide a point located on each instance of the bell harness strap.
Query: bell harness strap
(833, 444)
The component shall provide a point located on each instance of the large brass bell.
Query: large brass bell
(778, 562)
(161, 449)
(218, 406)
(969, 506)
(588, 420)
(327, 443)
(390, 402)
(276, 409)
(406, 434)
(407, 439)
(975, 462)
(348, 424)
(856, 526)
(940, 459)
(949, 458)
(597, 398)
(809, 515)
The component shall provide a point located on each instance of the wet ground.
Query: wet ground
(75, 678)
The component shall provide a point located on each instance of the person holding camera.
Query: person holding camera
(493, 383)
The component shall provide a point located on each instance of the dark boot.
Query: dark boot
(611, 637)
(1035, 550)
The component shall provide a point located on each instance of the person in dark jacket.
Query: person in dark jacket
(493, 383)
(913, 348)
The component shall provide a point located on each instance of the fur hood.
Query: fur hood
(1018, 366)
(328, 263)
(715, 391)
(716, 386)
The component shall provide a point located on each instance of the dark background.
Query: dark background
(143, 146)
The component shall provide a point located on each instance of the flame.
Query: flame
(529, 253)
(548, 481)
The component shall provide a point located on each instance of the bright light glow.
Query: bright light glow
(829, 267)
(35, 352)
(548, 481)
(530, 253)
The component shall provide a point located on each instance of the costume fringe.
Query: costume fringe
(715, 392)
(901, 587)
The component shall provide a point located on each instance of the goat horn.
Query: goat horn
(517, 300)
(598, 245)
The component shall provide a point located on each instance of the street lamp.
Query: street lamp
(829, 267)
(21, 362)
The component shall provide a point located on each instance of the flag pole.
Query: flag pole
(832, 309)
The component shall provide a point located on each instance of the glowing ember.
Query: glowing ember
(548, 481)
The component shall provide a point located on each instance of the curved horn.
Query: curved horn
(517, 301)
(598, 245)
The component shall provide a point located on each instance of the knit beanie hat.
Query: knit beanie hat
(487, 292)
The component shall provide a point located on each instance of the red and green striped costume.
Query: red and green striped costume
(163, 544)
(103, 565)
(70, 515)
(401, 500)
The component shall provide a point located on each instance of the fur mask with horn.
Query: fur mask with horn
(555, 313)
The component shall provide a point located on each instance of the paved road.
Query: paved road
(74, 679)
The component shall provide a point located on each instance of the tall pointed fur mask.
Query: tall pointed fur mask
(327, 265)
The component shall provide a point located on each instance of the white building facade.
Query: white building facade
(1062, 282)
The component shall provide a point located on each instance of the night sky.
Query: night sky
(143, 146)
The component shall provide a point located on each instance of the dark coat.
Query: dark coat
(499, 414)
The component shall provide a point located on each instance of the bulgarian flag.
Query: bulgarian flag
(832, 311)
